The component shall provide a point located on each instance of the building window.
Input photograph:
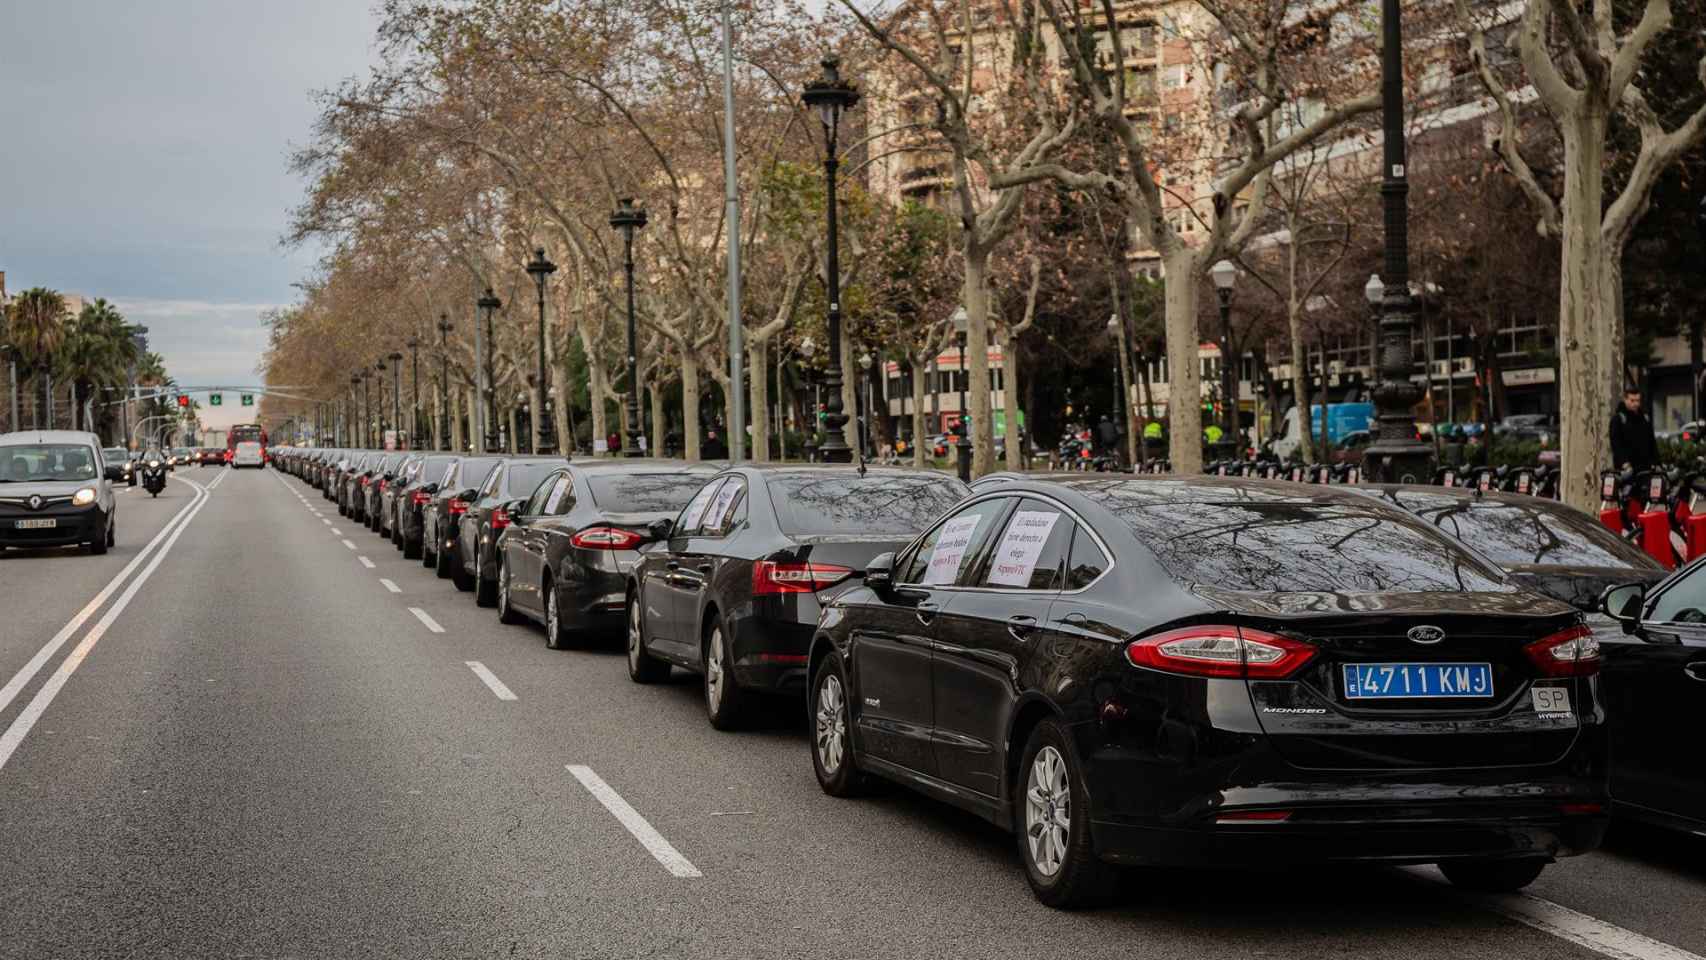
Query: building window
(1174, 77)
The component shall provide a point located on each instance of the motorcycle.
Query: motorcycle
(153, 476)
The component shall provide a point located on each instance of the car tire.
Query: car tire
(441, 563)
(557, 637)
(98, 545)
(725, 701)
(112, 533)
(1492, 876)
(506, 611)
(485, 591)
(642, 666)
(1060, 864)
(831, 717)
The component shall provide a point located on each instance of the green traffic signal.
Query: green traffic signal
(214, 399)
(248, 399)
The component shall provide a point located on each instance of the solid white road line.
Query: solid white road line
(390, 586)
(1566, 924)
(349, 544)
(491, 679)
(649, 838)
(422, 616)
(33, 710)
(29, 670)
(366, 562)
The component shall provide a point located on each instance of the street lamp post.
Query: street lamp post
(962, 438)
(1694, 324)
(627, 219)
(1396, 455)
(1122, 392)
(415, 440)
(351, 422)
(540, 268)
(807, 349)
(444, 381)
(396, 359)
(489, 305)
(867, 435)
(366, 408)
(1225, 276)
(831, 96)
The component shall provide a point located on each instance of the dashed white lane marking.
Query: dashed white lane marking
(326, 521)
(424, 618)
(655, 844)
(336, 532)
(390, 586)
(1560, 921)
(491, 680)
(349, 544)
(366, 562)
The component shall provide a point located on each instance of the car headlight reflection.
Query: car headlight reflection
(83, 497)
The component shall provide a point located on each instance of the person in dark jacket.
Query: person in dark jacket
(1632, 443)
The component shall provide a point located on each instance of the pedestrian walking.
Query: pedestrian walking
(1632, 443)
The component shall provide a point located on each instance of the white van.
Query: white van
(248, 454)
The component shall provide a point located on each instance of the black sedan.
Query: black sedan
(1216, 671)
(735, 592)
(1545, 545)
(413, 499)
(569, 549)
(484, 520)
(1655, 686)
(444, 512)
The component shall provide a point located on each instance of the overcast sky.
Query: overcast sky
(143, 158)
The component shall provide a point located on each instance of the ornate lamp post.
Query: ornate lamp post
(540, 268)
(867, 429)
(416, 441)
(444, 381)
(489, 305)
(396, 359)
(807, 349)
(1225, 277)
(830, 96)
(1122, 392)
(627, 219)
(1396, 453)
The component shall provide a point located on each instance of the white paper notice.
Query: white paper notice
(950, 549)
(696, 509)
(556, 496)
(1021, 547)
(725, 496)
(600, 445)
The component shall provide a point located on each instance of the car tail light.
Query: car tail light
(772, 577)
(500, 519)
(421, 498)
(457, 507)
(1567, 653)
(1221, 651)
(364, 480)
(606, 538)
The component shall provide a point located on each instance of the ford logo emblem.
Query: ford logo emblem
(1426, 633)
(35, 502)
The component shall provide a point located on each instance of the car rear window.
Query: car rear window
(1512, 535)
(524, 478)
(644, 492)
(876, 505)
(1238, 541)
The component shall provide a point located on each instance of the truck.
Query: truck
(1342, 419)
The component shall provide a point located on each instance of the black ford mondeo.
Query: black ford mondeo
(1215, 671)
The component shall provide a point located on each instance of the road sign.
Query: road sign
(248, 399)
(215, 399)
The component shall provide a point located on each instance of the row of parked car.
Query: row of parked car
(1119, 669)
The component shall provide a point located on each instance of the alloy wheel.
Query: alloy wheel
(1048, 810)
(634, 635)
(714, 670)
(551, 633)
(831, 724)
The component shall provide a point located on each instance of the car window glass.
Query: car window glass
(491, 483)
(1683, 601)
(1086, 562)
(643, 492)
(1030, 549)
(1512, 534)
(720, 514)
(524, 478)
(38, 463)
(953, 546)
(552, 497)
(694, 512)
(537, 499)
(897, 504)
(565, 499)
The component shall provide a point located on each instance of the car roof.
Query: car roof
(32, 437)
(652, 464)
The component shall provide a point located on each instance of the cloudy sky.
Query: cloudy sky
(143, 158)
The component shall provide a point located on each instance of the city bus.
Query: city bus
(241, 433)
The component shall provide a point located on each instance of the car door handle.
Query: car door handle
(1696, 671)
(672, 565)
(1075, 619)
(1021, 626)
(926, 612)
(706, 567)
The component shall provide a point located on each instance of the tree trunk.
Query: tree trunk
(758, 412)
(1300, 383)
(1184, 392)
(1589, 351)
(660, 417)
(976, 296)
(513, 443)
(459, 401)
(595, 391)
(690, 405)
(920, 371)
(849, 390)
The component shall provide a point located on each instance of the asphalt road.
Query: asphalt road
(269, 752)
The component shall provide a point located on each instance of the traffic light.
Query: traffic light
(248, 399)
(183, 399)
(215, 400)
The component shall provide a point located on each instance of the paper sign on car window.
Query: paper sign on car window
(725, 497)
(1021, 547)
(696, 509)
(950, 549)
(556, 496)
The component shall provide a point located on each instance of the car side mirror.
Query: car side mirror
(468, 494)
(879, 573)
(430, 489)
(660, 528)
(1623, 604)
(514, 508)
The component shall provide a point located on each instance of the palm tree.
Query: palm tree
(97, 351)
(36, 328)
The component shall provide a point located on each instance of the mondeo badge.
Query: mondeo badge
(1426, 633)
